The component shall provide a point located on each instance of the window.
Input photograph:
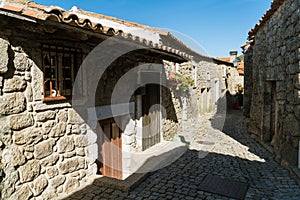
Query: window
(208, 76)
(60, 67)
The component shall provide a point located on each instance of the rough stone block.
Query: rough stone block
(62, 116)
(47, 126)
(71, 165)
(9, 186)
(80, 151)
(29, 171)
(71, 184)
(28, 155)
(42, 107)
(37, 79)
(74, 117)
(15, 84)
(50, 160)
(291, 125)
(23, 193)
(91, 137)
(12, 103)
(58, 130)
(13, 156)
(21, 62)
(81, 141)
(39, 185)
(57, 181)
(65, 144)
(44, 116)
(4, 57)
(52, 172)
(28, 136)
(293, 68)
(21, 121)
(44, 149)
(76, 129)
(29, 96)
(69, 154)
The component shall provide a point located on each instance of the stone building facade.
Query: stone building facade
(272, 80)
(47, 146)
(50, 136)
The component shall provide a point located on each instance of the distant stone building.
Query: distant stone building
(272, 80)
(234, 72)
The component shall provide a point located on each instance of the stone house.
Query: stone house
(235, 72)
(272, 78)
(59, 73)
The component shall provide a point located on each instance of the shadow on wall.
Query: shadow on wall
(169, 106)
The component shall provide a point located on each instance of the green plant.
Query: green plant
(181, 81)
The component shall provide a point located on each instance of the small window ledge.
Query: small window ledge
(59, 98)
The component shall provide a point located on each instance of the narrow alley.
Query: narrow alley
(230, 153)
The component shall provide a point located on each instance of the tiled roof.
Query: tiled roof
(170, 40)
(97, 23)
(274, 7)
(224, 59)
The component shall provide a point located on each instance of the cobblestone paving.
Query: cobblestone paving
(229, 153)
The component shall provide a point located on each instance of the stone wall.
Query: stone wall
(272, 89)
(248, 84)
(43, 146)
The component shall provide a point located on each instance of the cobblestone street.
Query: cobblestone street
(229, 153)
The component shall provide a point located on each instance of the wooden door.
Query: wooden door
(151, 116)
(111, 149)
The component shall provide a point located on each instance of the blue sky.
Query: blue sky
(218, 26)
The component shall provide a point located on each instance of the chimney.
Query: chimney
(233, 55)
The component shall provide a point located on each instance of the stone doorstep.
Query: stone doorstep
(124, 185)
(154, 158)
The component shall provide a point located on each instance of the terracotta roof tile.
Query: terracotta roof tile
(224, 59)
(83, 19)
(31, 13)
(12, 8)
(38, 6)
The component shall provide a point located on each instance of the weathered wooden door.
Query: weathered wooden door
(151, 116)
(111, 149)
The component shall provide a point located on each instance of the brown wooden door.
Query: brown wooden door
(111, 149)
(151, 116)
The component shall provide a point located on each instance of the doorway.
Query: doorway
(151, 116)
(111, 165)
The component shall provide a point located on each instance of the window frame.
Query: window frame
(58, 66)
